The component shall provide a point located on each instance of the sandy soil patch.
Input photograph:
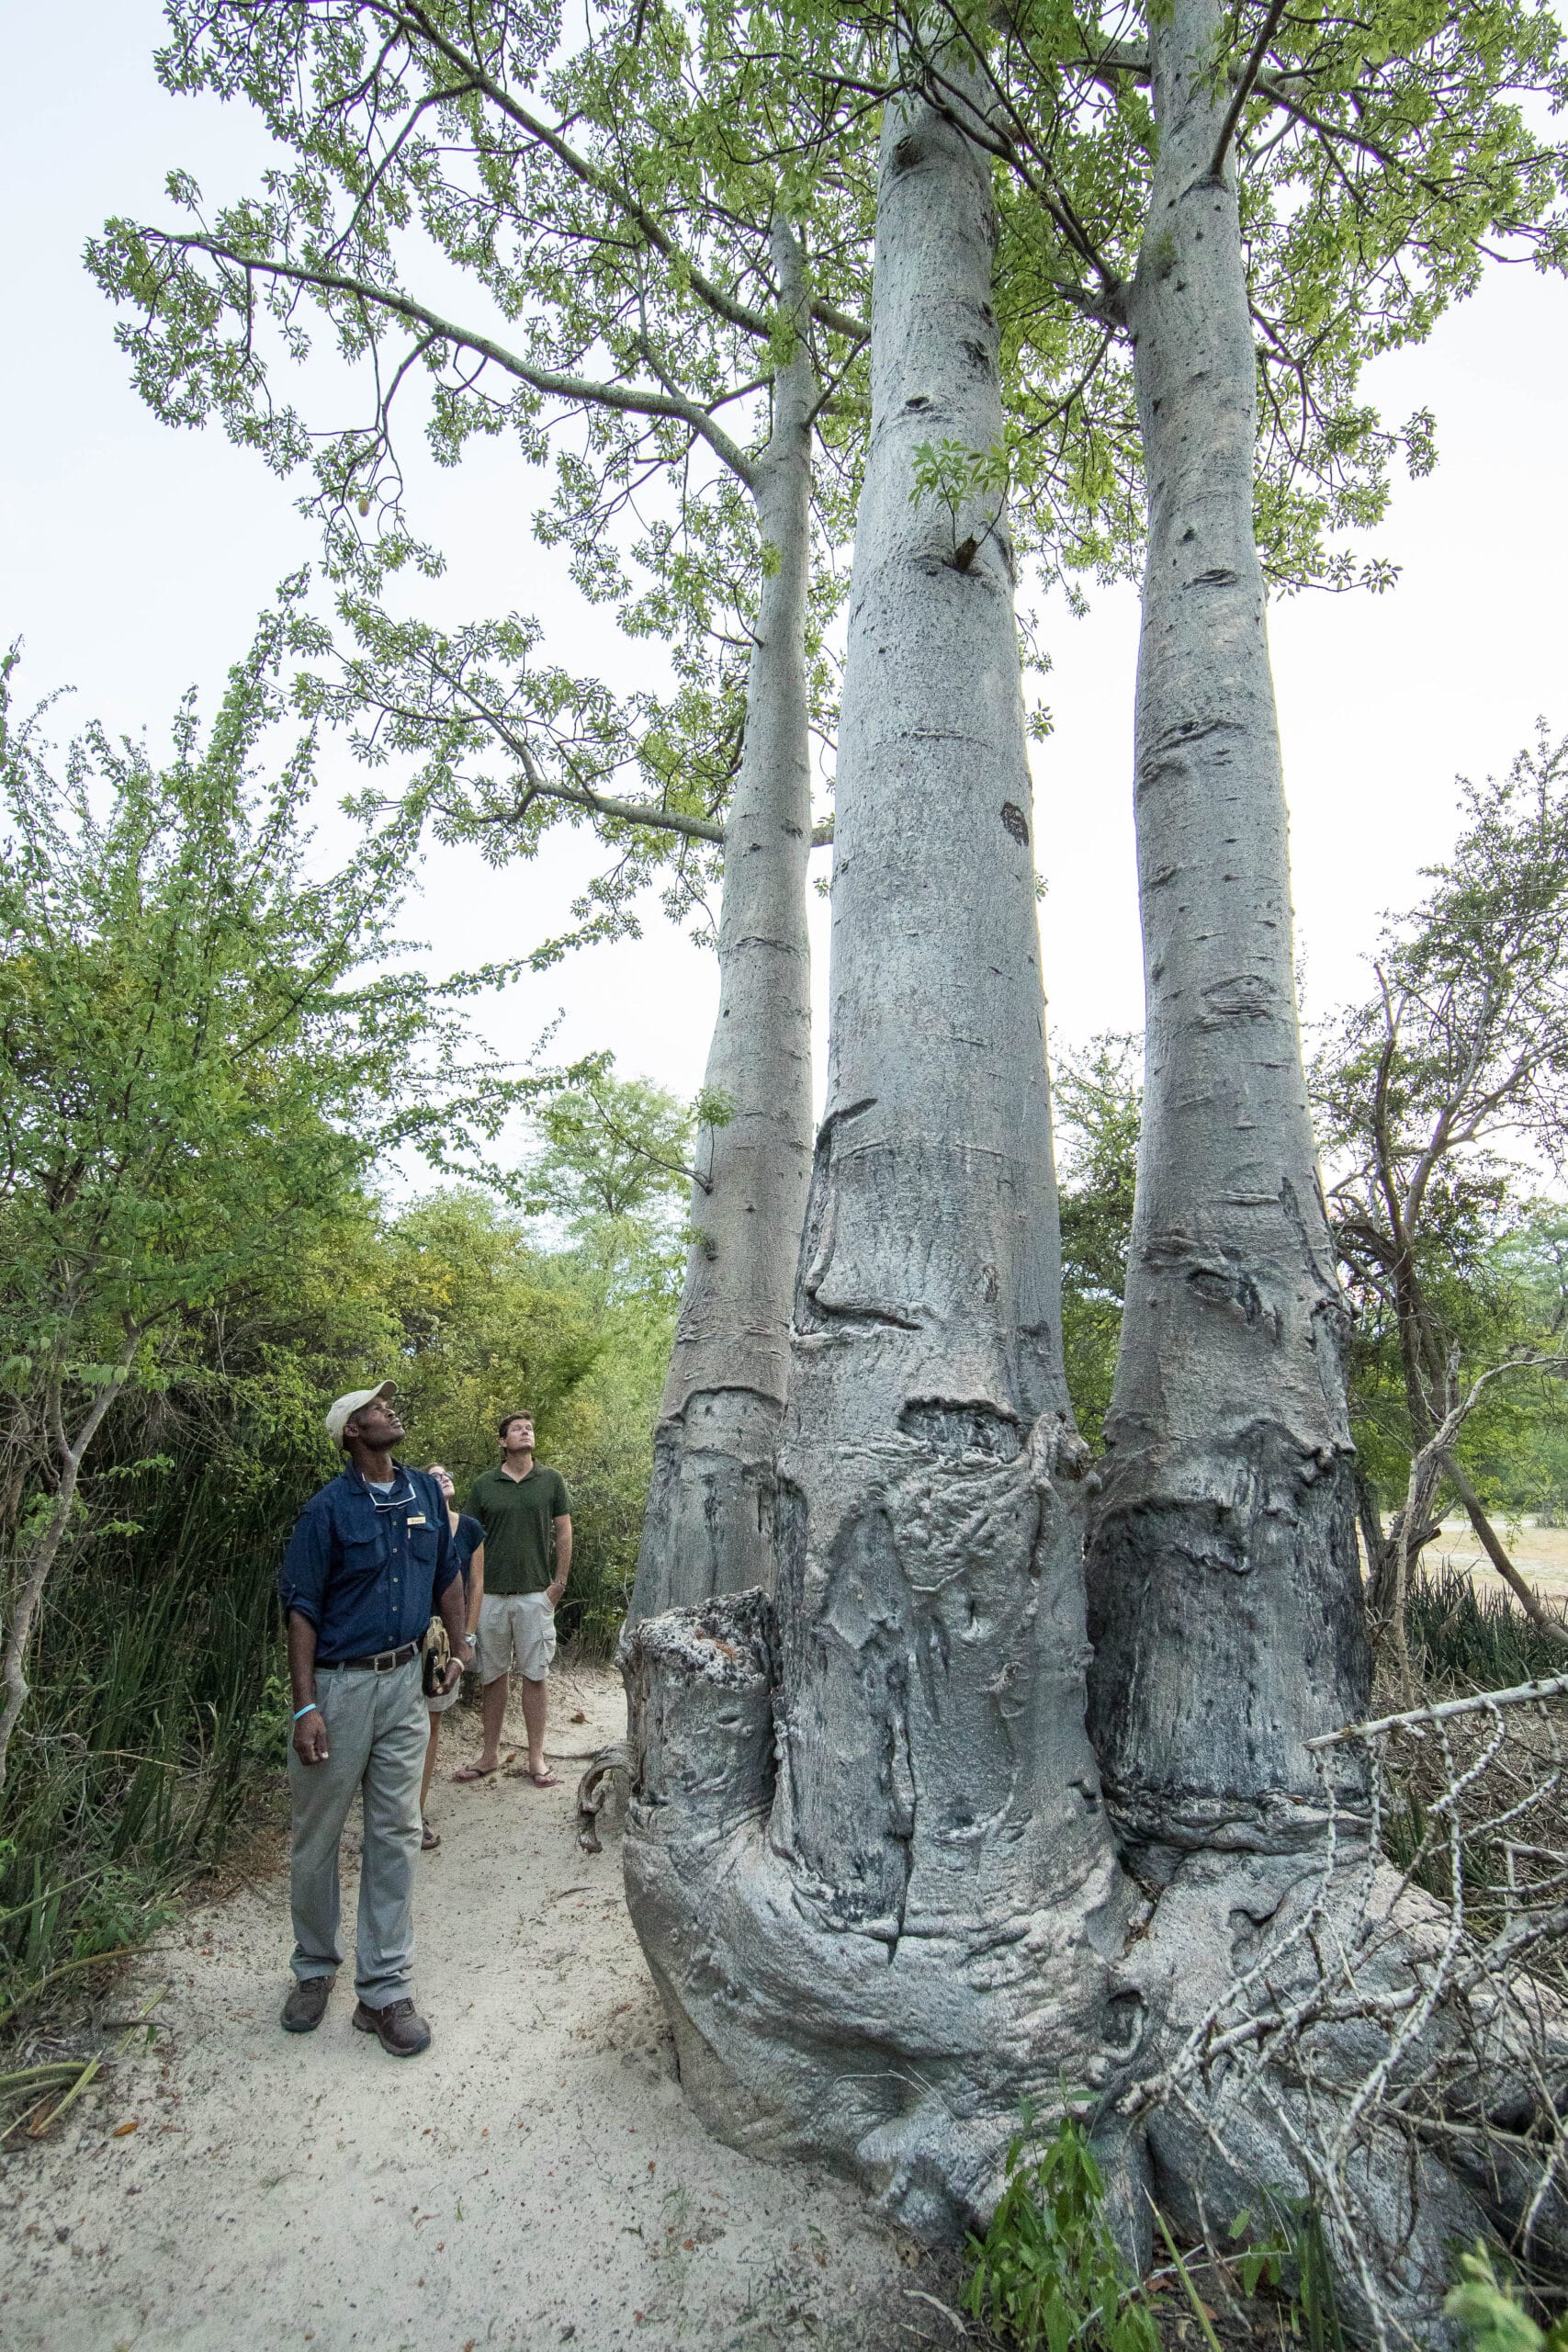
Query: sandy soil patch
(1540, 1553)
(534, 2178)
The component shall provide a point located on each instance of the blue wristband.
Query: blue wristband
(305, 1710)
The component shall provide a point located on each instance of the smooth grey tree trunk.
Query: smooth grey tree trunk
(1225, 1594)
(37, 1560)
(1225, 1604)
(710, 1522)
(866, 1852)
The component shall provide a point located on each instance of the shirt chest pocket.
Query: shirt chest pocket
(364, 1558)
(422, 1543)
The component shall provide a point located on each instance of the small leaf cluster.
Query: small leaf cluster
(1491, 2315)
(1048, 2273)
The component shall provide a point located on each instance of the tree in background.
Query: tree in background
(613, 1162)
(665, 271)
(196, 1060)
(1099, 1105)
(1489, 1256)
(1428, 1093)
(487, 1314)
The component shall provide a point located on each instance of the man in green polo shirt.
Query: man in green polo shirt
(525, 1512)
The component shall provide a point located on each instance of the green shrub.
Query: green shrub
(1048, 2272)
(1491, 2315)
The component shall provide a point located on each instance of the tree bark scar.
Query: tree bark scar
(983, 1427)
(819, 1228)
(1244, 996)
(855, 1858)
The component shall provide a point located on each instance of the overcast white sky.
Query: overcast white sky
(137, 558)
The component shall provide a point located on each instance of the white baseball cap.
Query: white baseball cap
(347, 1407)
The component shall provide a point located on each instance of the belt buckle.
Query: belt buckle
(385, 1661)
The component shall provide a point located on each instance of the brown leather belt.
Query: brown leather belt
(382, 1663)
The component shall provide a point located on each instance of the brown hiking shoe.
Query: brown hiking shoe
(399, 2028)
(307, 2004)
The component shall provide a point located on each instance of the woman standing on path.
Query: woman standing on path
(468, 1550)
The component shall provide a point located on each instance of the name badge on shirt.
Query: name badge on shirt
(418, 1519)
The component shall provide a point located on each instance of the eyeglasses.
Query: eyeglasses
(393, 1502)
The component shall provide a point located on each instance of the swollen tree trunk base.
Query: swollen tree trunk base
(1257, 2034)
(1220, 2027)
(895, 2049)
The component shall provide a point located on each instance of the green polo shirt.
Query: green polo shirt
(518, 1516)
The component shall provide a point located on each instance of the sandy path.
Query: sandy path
(534, 2178)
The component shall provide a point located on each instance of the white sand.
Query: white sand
(1540, 1553)
(534, 2178)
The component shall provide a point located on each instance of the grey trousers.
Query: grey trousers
(376, 1730)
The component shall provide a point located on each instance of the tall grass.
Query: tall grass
(156, 1694)
(1462, 1633)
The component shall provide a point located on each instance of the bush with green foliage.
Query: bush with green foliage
(1491, 2315)
(1048, 2273)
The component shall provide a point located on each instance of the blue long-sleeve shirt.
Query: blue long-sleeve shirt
(368, 1570)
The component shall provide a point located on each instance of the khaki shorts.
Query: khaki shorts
(517, 1631)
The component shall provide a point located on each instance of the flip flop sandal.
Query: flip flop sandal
(474, 1773)
(429, 1838)
(545, 1780)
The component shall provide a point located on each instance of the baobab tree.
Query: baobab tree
(886, 1881)
(873, 1947)
(658, 284)
(1456, 1061)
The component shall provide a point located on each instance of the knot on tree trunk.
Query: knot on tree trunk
(700, 1690)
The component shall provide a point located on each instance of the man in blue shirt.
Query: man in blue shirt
(370, 1561)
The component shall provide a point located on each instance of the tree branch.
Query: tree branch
(1491, 1544)
(672, 1167)
(1244, 87)
(632, 398)
(725, 306)
(649, 813)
